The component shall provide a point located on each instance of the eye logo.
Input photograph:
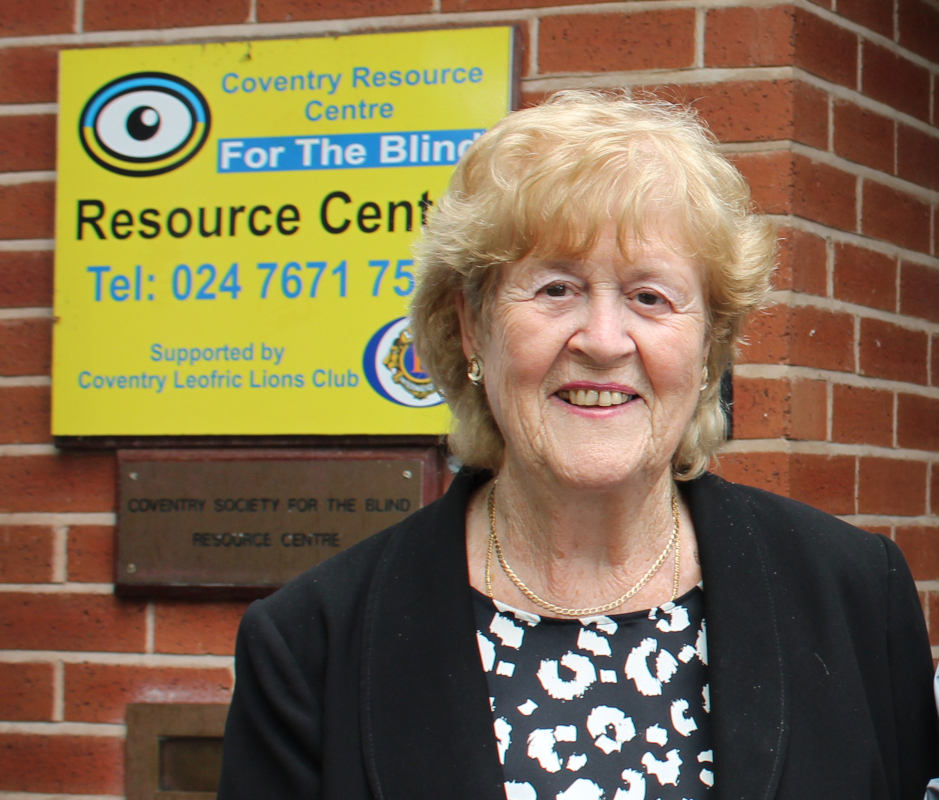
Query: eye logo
(144, 124)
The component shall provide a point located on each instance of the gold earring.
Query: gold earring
(705, 378)
(476, 370)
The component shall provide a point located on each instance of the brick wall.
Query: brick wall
(828, 108)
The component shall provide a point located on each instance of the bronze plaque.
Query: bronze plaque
(255, 519)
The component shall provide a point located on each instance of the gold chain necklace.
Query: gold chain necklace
(673, 542)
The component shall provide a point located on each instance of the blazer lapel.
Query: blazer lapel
(748, 691)
(426, 721)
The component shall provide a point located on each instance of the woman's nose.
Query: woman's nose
(604, 335)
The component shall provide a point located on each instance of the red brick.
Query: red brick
(91, 553)
(919, 291)
(895, 216)
(889, 351)
(748, 37)
(63, 482)
(24, 415)
(876, 15)
(761, 408)
(919, 28)
(26, 692)
(25, 555)
(802, 260)
(863, 136)
(763, 470)
(28, 74)
(809, 115)
(23, 18)
(25, 279)
(70, 622)
(770, 176)
(934, 490)
(824, 194)
(826, 482)
(885, 530)
(101, 692)
(895, 80)
(764, 339)
(865, 277)
(208, 628)
(822, 339)
(112, 15)
(26, 211)
(918, 156)
(918, 422)
(891, 486)
(861, 416)
(745, 112)
(825, 49)
(616, 42)
(920, 545)
(808, 410)
(27, 142)
(25, 346)
(61, 764)
(766, 409)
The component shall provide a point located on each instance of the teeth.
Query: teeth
(590, 397)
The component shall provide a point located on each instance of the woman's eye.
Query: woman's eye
(649, 298)
(556, 290)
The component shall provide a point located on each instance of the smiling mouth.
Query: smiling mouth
(591, 397)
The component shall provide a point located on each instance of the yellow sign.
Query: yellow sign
(234, 226)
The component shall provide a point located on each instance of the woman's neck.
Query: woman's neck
(575, 546)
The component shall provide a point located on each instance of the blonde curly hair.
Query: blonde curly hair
(546, 181)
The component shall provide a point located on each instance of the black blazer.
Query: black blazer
(362, 679)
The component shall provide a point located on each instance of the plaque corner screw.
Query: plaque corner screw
(131, 568)
(407, 473)
(133, 476)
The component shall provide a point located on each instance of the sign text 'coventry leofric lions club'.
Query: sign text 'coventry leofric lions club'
(234, 225)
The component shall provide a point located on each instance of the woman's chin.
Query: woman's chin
(598, 469)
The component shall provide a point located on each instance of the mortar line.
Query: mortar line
(534, 34)
(58, 691)
(60, 554)
(859, 76)
(151, 628)
(849, 237)
(779, 371)
(896, 404)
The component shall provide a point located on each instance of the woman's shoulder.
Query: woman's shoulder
(790, 527)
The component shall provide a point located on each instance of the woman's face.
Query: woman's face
(593, 365)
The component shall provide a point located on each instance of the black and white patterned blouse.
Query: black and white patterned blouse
(600, 708)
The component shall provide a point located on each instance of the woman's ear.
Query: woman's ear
(467, 326)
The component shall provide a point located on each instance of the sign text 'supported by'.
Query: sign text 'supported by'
(234, 227)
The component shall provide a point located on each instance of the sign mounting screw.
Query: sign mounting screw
(131, 568)
(407, 473)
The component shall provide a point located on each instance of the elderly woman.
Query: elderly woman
(587, 613)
